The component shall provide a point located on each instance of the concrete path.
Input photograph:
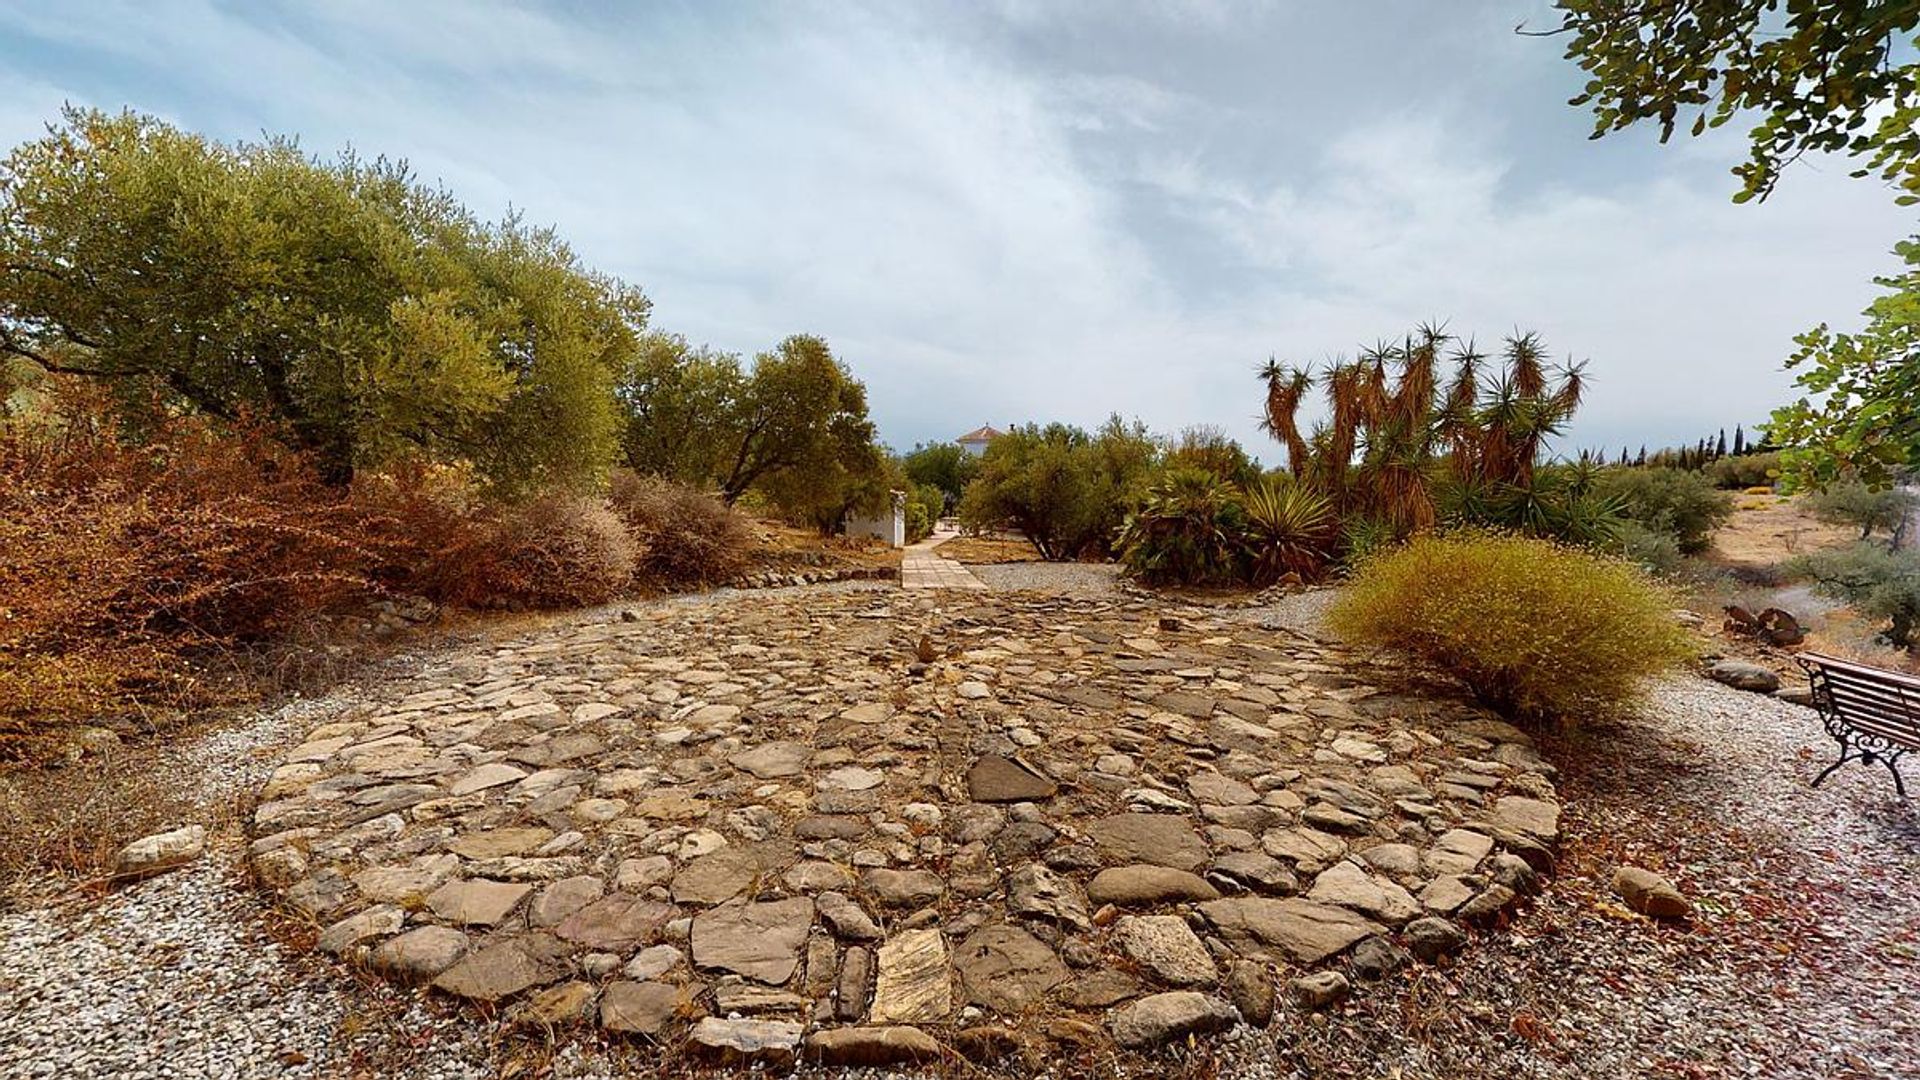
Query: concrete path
(920, 568)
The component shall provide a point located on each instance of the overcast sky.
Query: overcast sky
(1031, 211)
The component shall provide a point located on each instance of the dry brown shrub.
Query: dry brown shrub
(120, 564)
(552, 551)
(688, 538)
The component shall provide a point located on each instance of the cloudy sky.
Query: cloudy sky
(1024, 210)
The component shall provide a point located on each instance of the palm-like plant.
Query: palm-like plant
(1186, 530)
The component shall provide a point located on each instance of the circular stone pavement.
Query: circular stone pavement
(867, 827)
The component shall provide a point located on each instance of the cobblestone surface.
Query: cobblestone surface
(948, 812)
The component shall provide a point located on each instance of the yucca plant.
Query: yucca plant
(1394, 436)
(1290, 528)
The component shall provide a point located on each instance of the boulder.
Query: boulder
(1432, 938)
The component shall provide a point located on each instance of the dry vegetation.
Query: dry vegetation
(1766, 530)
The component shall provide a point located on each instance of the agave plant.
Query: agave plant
(1290, 528)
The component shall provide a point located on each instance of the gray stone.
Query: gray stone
(654, 961)
(1253, 871)
(878, 1046)
(1007, 969)
(774, 1043)
(1036, 891)
(1160, 839)
(846, 918)
(854, 985)
(759, 940)
(642, 1008)
(1457, 851)
(1291, 930)
(1349, 886)
(1166, 947)
(616, 923)
(421, 953)
(1742, 675)
(1376, 958)
(1532, 817)
(564, 897)
(477, 902)
(1162, 1018)
(1320, 990)
(161, 851)
(774, 760)
(495, 972)
(1445, 894)
(716, 878)
(1210, 788)
(1432, 938)
(1250, 988)
(361, 926)
(1488, 905)
(903, 888)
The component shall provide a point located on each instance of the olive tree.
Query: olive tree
(359, 314)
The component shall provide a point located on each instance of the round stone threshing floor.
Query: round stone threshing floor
(870, 827)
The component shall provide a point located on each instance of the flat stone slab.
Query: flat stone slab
(889, 827)
(759, 940)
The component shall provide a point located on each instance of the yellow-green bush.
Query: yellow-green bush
(1534, 629)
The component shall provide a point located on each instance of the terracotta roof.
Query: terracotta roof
(981, 434)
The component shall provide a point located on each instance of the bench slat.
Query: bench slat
(1873, 674)
(1875, 699)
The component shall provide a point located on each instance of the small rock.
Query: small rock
(1320, 990)
(1146, 885)
(1166, 946)
(1742, 675)
(774, 1043)
(1650, 894)
(161, 851)
(1432, 938)
(1250, 989)
(872, 1046)
(995, 779)
(1162, 1018)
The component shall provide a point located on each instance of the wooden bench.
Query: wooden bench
(1874, 714)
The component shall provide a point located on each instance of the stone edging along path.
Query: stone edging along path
(772, 828)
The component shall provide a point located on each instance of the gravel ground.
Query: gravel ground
(1803, 959)
(1072, 579)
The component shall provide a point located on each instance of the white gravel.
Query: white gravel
(1072, 579)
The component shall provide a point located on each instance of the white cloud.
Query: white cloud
(991, 229)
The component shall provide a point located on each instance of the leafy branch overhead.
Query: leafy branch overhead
(1823, 76)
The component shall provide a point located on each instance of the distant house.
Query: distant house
(975, 441)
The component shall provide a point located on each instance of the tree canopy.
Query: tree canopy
(1861, 415)
(1824, 76)
(358, 313)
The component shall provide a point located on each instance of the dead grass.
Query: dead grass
(986, 550)
(1766, 530)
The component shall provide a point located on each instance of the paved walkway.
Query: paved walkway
(920, 568)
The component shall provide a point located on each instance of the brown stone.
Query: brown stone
(616, 923)
(995, 779)
(1007, 969)
(1160, 839)
(759, 940)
